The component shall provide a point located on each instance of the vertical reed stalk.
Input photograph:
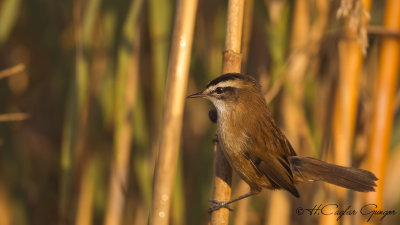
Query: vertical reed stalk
(125, 86)
(83, 78)
(86, 196)
(344, 118)
(8, 17)
(77, 104)
(294, 118)
(241, 212)
(140, 160)
(293, 112)
(231, 64)
(177, 77)
(278, 212)
(318, 30)
(383, 109)
(159, 27)
(346, 100)
(6, 214)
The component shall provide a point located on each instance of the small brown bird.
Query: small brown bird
(258, 150)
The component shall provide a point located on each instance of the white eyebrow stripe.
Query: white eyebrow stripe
(223, 84)
(228, 83)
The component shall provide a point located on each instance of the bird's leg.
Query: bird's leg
(225, 204)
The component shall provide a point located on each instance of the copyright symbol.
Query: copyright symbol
(299, 211)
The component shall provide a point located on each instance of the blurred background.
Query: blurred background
(81, 100)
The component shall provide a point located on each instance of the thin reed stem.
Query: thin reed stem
(177, 77)
(232, 60)
(382, 116)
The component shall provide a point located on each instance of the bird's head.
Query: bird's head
(229, 90)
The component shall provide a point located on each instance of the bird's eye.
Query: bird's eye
(218, 90)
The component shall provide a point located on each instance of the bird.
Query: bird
(258, 150)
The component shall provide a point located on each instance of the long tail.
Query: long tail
(310, 169)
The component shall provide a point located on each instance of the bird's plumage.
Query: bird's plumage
(267, 160)
(257, 149)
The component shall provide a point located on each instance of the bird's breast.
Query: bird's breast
(232, 137)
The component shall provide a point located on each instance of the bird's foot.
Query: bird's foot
(218, 204)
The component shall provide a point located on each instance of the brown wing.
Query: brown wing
(275, 168)
(271, 150)
(283, 145)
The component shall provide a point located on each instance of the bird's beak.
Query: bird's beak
(197, 95)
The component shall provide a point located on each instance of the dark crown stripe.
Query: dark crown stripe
(231, 76)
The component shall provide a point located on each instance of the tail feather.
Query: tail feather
(306, 169)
